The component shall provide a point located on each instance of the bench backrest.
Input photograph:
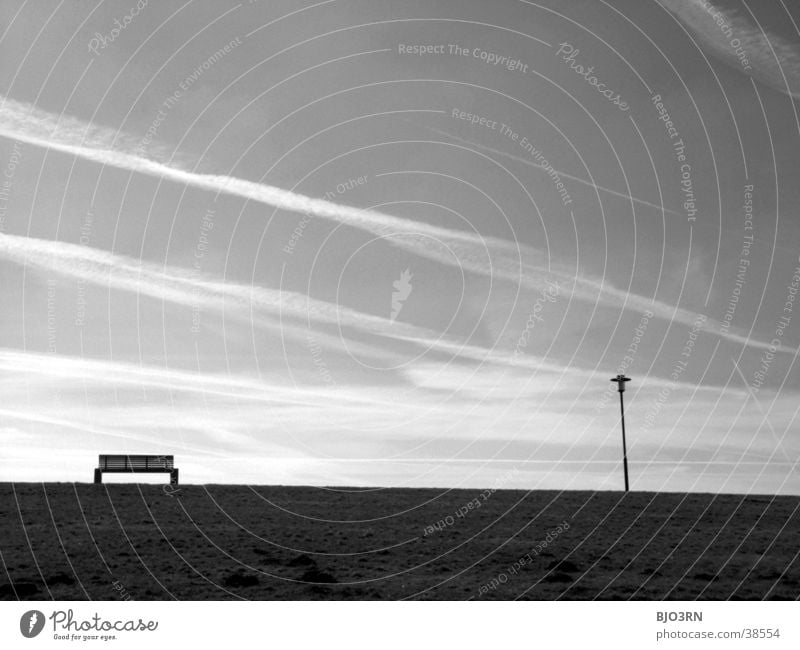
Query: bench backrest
(138, 461)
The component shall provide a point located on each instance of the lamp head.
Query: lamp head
(621, 379)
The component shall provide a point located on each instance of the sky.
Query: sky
(351, 243)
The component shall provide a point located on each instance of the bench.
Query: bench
(136, 464)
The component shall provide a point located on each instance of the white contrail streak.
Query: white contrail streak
(85, 427)
(531, 163)
(771, 58)
(192, 289)
(243, 302)
(486, 256)
(122, 373)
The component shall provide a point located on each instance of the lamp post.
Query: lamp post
(621, 379)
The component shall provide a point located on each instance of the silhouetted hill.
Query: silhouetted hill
(114, 541)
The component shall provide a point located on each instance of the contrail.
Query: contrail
(124, 373)
(85, 427)
(244, 302)
(736, 38)
(192, 289)
(487, 256)
(530, 163)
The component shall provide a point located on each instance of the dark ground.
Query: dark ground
(113, 541)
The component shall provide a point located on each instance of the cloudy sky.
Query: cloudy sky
(374, 243)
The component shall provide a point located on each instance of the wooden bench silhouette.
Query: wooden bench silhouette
(136, 464)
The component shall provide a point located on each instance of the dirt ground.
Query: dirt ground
(143, 542)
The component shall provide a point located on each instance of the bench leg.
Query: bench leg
(98, 475)
(173, 477)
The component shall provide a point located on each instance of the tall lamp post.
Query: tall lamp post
(621, 379)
